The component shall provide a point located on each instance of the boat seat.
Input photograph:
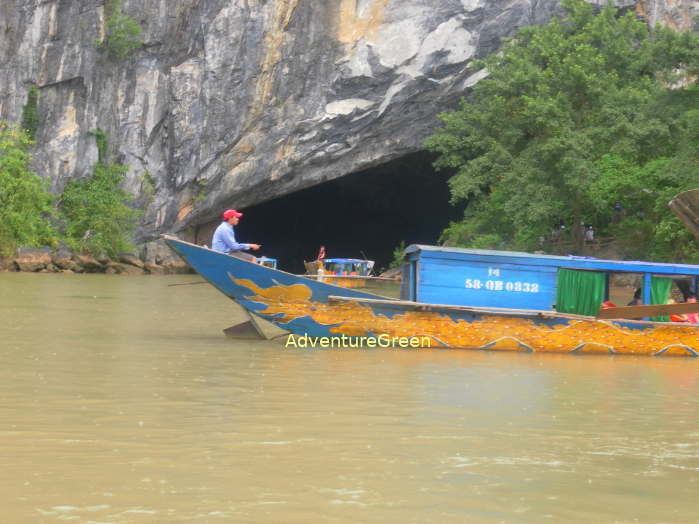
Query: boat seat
(311, 267)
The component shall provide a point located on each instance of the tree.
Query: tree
(25, 202)
(98, 219)
(647, 228)
(530, 147)
(122, 33)
(30, 113)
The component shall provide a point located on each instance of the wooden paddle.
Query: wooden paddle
(655, 310)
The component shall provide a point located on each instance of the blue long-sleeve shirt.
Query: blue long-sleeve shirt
(224, 239)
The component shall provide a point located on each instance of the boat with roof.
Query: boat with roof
(471, 298)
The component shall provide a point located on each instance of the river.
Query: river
(122, 402)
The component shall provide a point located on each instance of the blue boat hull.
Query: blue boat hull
(311, 309)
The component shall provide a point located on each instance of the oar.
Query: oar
(188, 283)
(655, 310)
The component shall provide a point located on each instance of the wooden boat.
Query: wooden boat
(343, 272)
(457, 298)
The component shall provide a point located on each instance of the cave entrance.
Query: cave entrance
(362, 215)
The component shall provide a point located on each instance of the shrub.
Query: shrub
(30, 114)
(147, 187)
(398, 256)
(25, 202)
(101, 140)
(123, 33)
(97, 217)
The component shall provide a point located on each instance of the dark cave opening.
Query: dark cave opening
(363, 215)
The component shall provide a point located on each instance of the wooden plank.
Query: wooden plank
(422, 306)
(492, 284)
(627, 312)
(655, 310)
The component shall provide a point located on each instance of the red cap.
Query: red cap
(230, 213)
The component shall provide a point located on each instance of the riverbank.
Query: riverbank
(154, 258)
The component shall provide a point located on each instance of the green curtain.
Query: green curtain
(580, 292)
(659, 293)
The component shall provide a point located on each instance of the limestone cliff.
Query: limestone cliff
(233, 102)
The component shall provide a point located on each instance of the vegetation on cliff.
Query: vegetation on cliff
(122, 33)
(30, 112)
(592, 119)
(97, 219)
(91, 216)
(25, 201)
(95, 212)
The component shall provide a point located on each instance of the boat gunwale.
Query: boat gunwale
(306, 277)
(504, 311)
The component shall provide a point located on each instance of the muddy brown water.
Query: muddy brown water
(123, 403)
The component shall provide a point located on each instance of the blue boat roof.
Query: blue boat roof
(346, 260)
(566, 261)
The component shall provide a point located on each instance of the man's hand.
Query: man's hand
(254, 247)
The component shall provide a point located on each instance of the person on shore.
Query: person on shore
(224, 238)
(589, 233)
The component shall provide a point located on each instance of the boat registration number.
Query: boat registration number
(502, 285)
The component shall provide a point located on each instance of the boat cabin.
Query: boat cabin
(267, 262)
(508, 279)
(347, 266)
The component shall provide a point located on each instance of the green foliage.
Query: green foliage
(647, 227)
(123, 34)
(30, 113)
(95, 212)
(25, 203)
(102, 144)
(574, 116)
(398, 256)
(97, 217)
(200, 191)
(148, 186)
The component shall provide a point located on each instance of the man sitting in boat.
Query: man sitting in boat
(224, 237)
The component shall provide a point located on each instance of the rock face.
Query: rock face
(157, 259)
(233, 102)
(33, 259)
